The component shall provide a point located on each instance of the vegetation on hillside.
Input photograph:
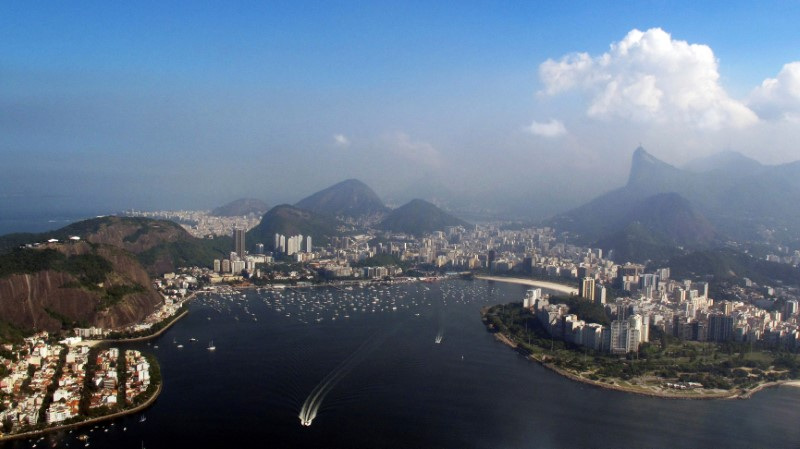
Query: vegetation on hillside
(419, 217)
(585, 310)
(351, 198)
(89, 269)
(381, 260)
(728, 264)
(289, 220)
(187, 253)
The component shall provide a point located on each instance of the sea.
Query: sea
(397, 366)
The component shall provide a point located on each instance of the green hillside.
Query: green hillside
(419, 217)
(290, 220)
(350, 198)
(724, 264)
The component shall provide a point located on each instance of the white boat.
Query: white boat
(211, 346)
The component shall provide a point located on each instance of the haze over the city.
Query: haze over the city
(540, 105)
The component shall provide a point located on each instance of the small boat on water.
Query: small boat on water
(142, 418)
(211, 346)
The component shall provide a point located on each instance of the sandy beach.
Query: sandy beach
(568, 289)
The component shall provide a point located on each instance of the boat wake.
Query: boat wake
(314, 400)
(440, 334)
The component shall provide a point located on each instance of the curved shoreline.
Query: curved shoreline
(732, 394)
(146, 404)
(150, 336)
(561, 288)
(154, 334)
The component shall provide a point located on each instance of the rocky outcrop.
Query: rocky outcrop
(55, 299)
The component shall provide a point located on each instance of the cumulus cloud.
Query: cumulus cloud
(553, 128)
(649, 77)
(779, 98)
(340, 140)
(419, 152)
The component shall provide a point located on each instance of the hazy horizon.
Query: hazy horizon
(530, 107)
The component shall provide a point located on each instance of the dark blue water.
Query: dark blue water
(40, 213)
(403, 390)
(37, 224)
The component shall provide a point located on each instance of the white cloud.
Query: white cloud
(649, 77)
(553, 128)
(779, 98)
(340, 140)
(419, 152)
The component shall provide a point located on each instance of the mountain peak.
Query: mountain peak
(641, 153)
(645, 168)
(419, 217)
(350, 197)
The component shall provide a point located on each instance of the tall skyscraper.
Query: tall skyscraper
(238, 242)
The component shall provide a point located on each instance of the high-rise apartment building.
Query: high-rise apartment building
(238, 242)
(587, 288)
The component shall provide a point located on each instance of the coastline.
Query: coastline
(146, 404)
(568, 289)
(154, 334)
(731, 394)
(150, 336)
(138, 408)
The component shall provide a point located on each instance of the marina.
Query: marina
(385, 374)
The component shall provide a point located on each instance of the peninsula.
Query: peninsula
(665, 368)
(52, 385)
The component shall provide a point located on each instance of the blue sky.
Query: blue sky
(190, 104)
